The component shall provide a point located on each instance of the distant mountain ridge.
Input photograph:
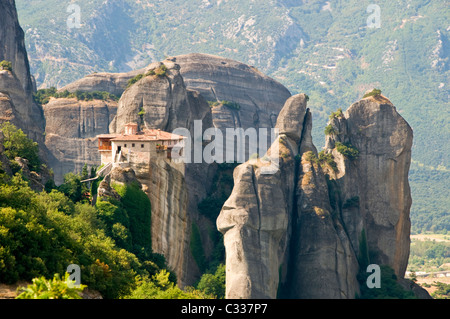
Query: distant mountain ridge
(323, 48)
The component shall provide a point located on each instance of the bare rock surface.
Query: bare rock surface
(297, 233)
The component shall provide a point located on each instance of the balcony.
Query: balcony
(105, 148)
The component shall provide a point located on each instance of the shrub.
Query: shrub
(43, 96)
(311, 157)
(231, 105)
(390, 288)
(213, 284)
(348, 150)
(213, 103)
(137, 205)
(336, 114)
(161, 71)
(325, 158)
(329, 130)
(17, 144)
(134, 80)
(160, 287)
(374, 92)
(6, 65)
(55, 288)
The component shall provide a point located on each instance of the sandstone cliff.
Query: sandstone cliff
(377, 179)
(309, 247)
(16, 86)
(71, 130)
(169, 101)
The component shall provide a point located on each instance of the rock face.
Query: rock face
(309, 246)
(378, 179)
(173, 100)
(16, 86)
(260, 98)
(164, 102)
(71, 130)
(114, 83)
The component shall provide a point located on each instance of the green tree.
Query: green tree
(17, 144)
(161, 287)
(72, 187)
(55, 288)
(213, 284)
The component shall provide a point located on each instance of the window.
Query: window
(125, 145)
(142, 145)
(132, 145)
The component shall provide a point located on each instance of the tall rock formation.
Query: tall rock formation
(71, 133)
(375, 189)
(16, 86)
(309, 246)
(174, 99)
(163, 102)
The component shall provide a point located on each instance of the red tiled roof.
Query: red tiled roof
(148, 135)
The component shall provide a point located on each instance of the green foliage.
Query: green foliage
(337, 114)
(196, 247)
(137, 205)
(213, 103)
(55, 288)
(428, 255)
(6, 65)
(390, 288)
(311, 157)
(17, 144)
(442, 291)
(231, 105)
(43, 96)
(429, 190)
(327, 159)
(374, 92)
(363, 256)
(141, 112)
(72, 187)
(405, 61)
(348, 150)
(161, 70)
(135, 80)
(161, 287)
(42, 233)
(329, 130)
(213, 284)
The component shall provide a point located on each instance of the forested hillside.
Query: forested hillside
(44, 228)
(322, 48)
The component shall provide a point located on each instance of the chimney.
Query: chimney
(131, 129)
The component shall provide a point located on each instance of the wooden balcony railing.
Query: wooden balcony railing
(105, 148)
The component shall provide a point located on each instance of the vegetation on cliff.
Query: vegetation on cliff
(42, 233)
(43, 96)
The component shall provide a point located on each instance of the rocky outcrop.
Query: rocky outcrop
(164, 102)
(114, 83)
(377, 180)
(260, 98)
(16, 86)
(71, 133)
(297, 233)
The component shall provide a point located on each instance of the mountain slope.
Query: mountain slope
(323, 48)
